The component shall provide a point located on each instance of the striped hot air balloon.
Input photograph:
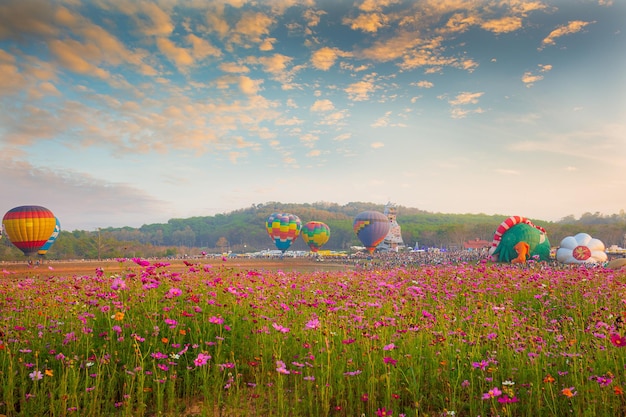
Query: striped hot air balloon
(29, 227)
(57, 230)
(283, 228)
(315, 234)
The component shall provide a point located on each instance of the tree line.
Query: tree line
(244, 231)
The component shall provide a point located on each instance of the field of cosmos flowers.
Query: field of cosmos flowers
(469, 339)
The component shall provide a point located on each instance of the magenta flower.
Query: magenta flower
(390, 346)
(281, 328)
(118, 284)
(492, 393)
(383, 412)
(312, 324)
(141, 262)
(617, 340)
(173, 292)
(202, 359)
(390, 360)
(505, 399)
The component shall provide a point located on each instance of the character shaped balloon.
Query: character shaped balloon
(581, 249)
(507, 247)
(371, 227)
(315, 234)
(284, 229)
(29, 227)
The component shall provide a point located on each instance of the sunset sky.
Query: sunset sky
(130, 112)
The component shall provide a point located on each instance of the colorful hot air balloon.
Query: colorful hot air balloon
(315, 234)
(29, 227)
(371, 227)
(284, 229)
(57, 229)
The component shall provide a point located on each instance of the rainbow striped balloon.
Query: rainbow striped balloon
(283, 228)
(29, 227)
(315, 234)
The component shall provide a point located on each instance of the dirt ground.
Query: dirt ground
(88, 267)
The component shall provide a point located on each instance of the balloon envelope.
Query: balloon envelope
(315, 234)
(371, 227)
(581, 249)
(57, 229)
(29, 227)
(283, 228)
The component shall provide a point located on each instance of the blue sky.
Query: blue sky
(130, 112)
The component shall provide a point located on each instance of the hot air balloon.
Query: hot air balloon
(581, 249)
(57, 229)
(284, 229)
(29, 227)
(517, 239)
(315, 234)
(371, 227)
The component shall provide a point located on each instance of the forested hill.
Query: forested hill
(244, 231)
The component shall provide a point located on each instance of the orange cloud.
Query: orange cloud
(202, 48)
(180, 56)
(324, 58)
(361, 90)
(369, 22)
(503, 25)
(11, 80)
(78, 57)
(253, 25)
(571, 27)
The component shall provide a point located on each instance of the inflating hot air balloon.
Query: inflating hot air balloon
(315, 234)
(29, 227)
(57, 229)
(517, 239)
(371, 227)
(581, 249)
(284, 229)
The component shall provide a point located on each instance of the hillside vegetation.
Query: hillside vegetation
(244, 231)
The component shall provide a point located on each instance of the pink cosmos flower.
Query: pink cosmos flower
(492, 393)
(202, 359)
(505, 399)
(118, 284)
(383, 412)
(35, 375)
(281, 368)
(281, 328)
(312, 324)
(390, 360)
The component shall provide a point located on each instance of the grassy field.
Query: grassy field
(296, 337)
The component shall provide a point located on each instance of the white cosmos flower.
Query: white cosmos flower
(581, 249)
